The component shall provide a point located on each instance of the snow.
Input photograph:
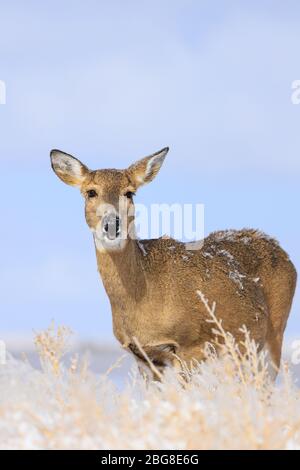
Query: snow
(64, 407)
(246, 240)
(229, 235)
(237, 277)
(141, 246)
(227, 254)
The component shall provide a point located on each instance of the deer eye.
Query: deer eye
(129, 194)
(91, 193)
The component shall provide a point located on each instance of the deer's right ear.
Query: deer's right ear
(68, 169)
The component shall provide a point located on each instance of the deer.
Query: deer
(153, 284)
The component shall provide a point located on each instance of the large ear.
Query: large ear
(68, 168)
(145, 170)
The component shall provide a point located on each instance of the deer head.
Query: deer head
(108, 194)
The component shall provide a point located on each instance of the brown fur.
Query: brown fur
(152, 284)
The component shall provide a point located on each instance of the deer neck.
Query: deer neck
(123, 275)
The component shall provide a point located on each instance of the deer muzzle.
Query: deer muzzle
(111, 226)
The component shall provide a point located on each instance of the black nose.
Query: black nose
(111, 226)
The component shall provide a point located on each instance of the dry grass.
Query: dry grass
(227, 402)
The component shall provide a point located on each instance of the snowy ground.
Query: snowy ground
(101, 357)
(55, 400)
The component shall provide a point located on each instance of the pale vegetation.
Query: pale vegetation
(226, 402)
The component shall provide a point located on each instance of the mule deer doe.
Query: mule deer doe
(152, 284)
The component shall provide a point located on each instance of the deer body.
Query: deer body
(153, 284)
(153, 293)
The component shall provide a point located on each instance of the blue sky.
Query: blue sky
(113, 81)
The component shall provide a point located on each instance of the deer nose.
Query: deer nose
(111, 225)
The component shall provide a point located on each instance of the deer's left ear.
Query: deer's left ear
(67, 168)
(145, 170)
